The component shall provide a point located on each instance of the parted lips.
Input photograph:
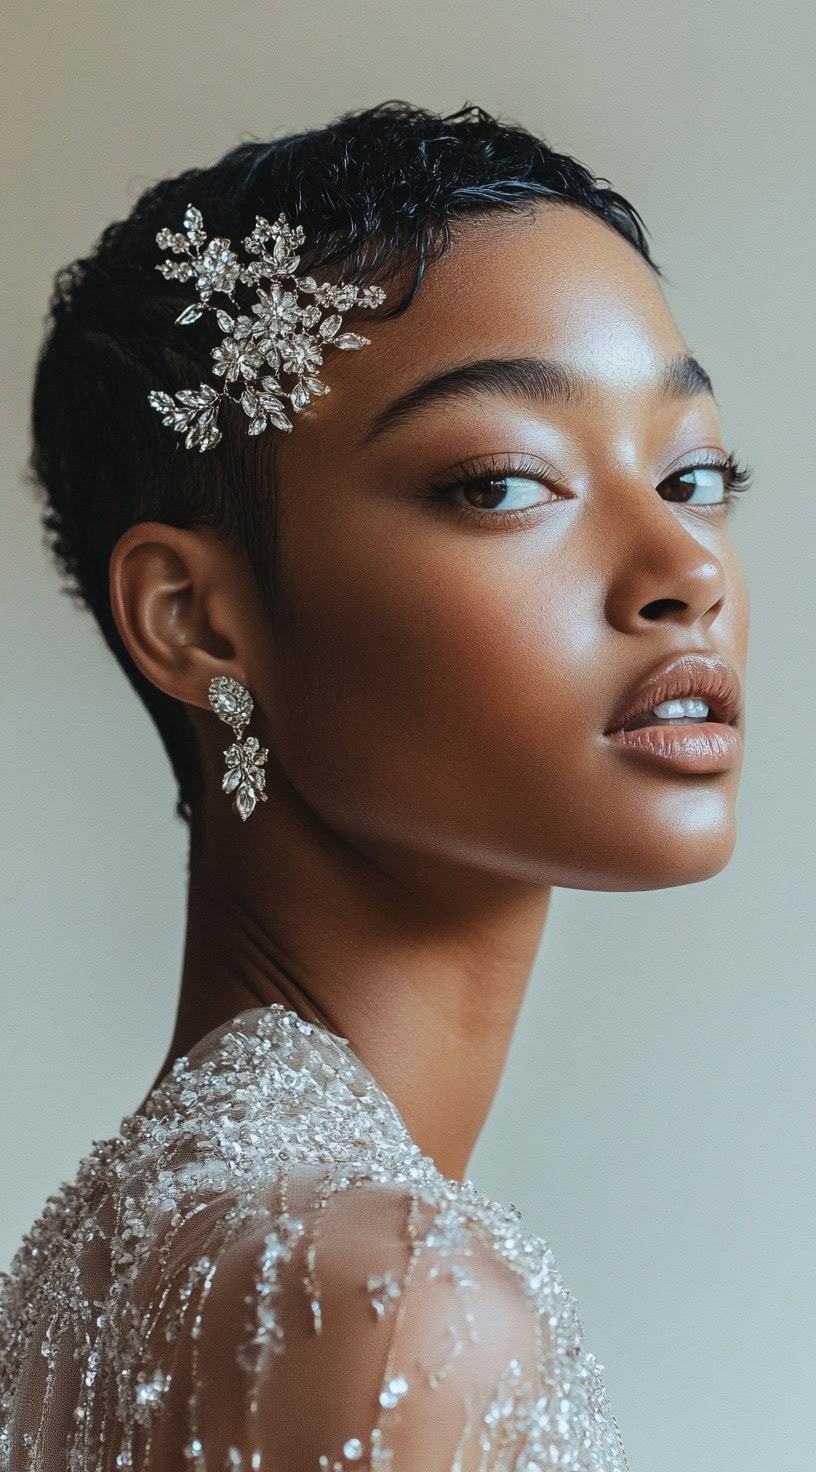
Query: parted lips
(705, 677)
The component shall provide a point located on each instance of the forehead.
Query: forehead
(551, 281)
(552, 278)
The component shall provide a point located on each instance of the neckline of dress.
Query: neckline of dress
(250, 1022)
(252, 1018)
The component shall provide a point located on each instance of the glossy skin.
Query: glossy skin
(435, 691)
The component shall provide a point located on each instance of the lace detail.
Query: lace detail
(263, 1271)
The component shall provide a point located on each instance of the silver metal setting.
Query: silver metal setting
(281, 336)
(244, 777)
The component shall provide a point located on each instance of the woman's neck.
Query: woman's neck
(423, 970)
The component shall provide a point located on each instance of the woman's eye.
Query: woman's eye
(515, 495)
(501, 492)
(700, 484)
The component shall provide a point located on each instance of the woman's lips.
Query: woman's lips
(695, 746)
(697, 675)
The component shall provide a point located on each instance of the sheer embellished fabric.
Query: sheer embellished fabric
(262, 1271)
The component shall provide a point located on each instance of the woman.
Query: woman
(471, 590)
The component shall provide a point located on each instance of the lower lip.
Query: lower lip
(706, 747)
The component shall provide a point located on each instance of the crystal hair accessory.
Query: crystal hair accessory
(244, 777)
(282, 335)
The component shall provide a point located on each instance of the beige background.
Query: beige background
(655, 1119)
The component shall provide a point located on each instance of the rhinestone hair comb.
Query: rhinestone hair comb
(281, 336)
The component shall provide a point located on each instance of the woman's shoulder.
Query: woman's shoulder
(362, 1318)
(262, 1269)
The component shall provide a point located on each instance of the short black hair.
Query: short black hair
(376, 192)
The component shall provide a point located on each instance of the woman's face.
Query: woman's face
(443, 674)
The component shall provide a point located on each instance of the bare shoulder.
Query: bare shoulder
(362, 1318)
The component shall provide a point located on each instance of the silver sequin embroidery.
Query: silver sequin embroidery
(263, 1136)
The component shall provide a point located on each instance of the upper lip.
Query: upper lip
(707, 677)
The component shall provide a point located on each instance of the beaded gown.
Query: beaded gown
(262, 1271)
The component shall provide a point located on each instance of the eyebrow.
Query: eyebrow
(543, 379)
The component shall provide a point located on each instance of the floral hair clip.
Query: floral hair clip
(282, 335)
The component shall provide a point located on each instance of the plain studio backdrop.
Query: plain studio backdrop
(654, 1122)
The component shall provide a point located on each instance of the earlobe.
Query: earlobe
(160, 579)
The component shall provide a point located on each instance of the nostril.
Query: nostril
(659, 606)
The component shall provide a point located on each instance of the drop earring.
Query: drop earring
(244, 777)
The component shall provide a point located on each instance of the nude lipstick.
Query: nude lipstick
(683, 716)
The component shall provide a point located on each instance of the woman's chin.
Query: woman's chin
(669, 860)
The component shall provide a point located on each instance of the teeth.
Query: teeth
(675, 710)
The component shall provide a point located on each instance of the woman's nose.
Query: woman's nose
(662, 570)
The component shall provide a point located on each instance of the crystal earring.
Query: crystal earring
(244, 777)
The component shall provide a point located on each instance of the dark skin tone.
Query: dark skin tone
(434, 687)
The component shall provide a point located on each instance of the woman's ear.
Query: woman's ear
(173, 599)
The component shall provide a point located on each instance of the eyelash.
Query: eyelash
(738, 478)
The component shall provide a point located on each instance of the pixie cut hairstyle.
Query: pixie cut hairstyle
(376, 192)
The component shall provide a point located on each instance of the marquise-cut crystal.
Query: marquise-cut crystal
(230, 700)
(245, 800)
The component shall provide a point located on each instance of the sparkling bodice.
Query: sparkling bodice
(262, 1271)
